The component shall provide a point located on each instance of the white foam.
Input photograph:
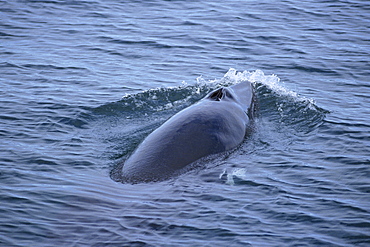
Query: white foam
(240, 173)
(272, 82)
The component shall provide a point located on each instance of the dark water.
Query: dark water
(83, 82)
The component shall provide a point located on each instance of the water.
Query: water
(83, 82)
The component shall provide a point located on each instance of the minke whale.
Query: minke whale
(217, 123)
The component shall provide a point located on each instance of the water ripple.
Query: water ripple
(83, 82)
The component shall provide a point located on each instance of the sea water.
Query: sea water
(84, 82)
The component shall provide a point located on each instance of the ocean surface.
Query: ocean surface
(82, 83)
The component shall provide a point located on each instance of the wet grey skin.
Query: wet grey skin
(217, 123)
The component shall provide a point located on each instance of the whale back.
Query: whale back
(215, 124)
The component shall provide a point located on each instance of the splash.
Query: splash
(272, 85)
(240, 173)
(277, 102)
(259, 78)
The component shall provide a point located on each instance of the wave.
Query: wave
(143, 112)
(123, 124)
(279, 103)
(158, 99)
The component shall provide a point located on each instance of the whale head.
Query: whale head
(242, 94)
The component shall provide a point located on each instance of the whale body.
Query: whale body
(217, 123)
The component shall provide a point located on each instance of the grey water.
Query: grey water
(83, 82)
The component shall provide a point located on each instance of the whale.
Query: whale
(217, 123)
